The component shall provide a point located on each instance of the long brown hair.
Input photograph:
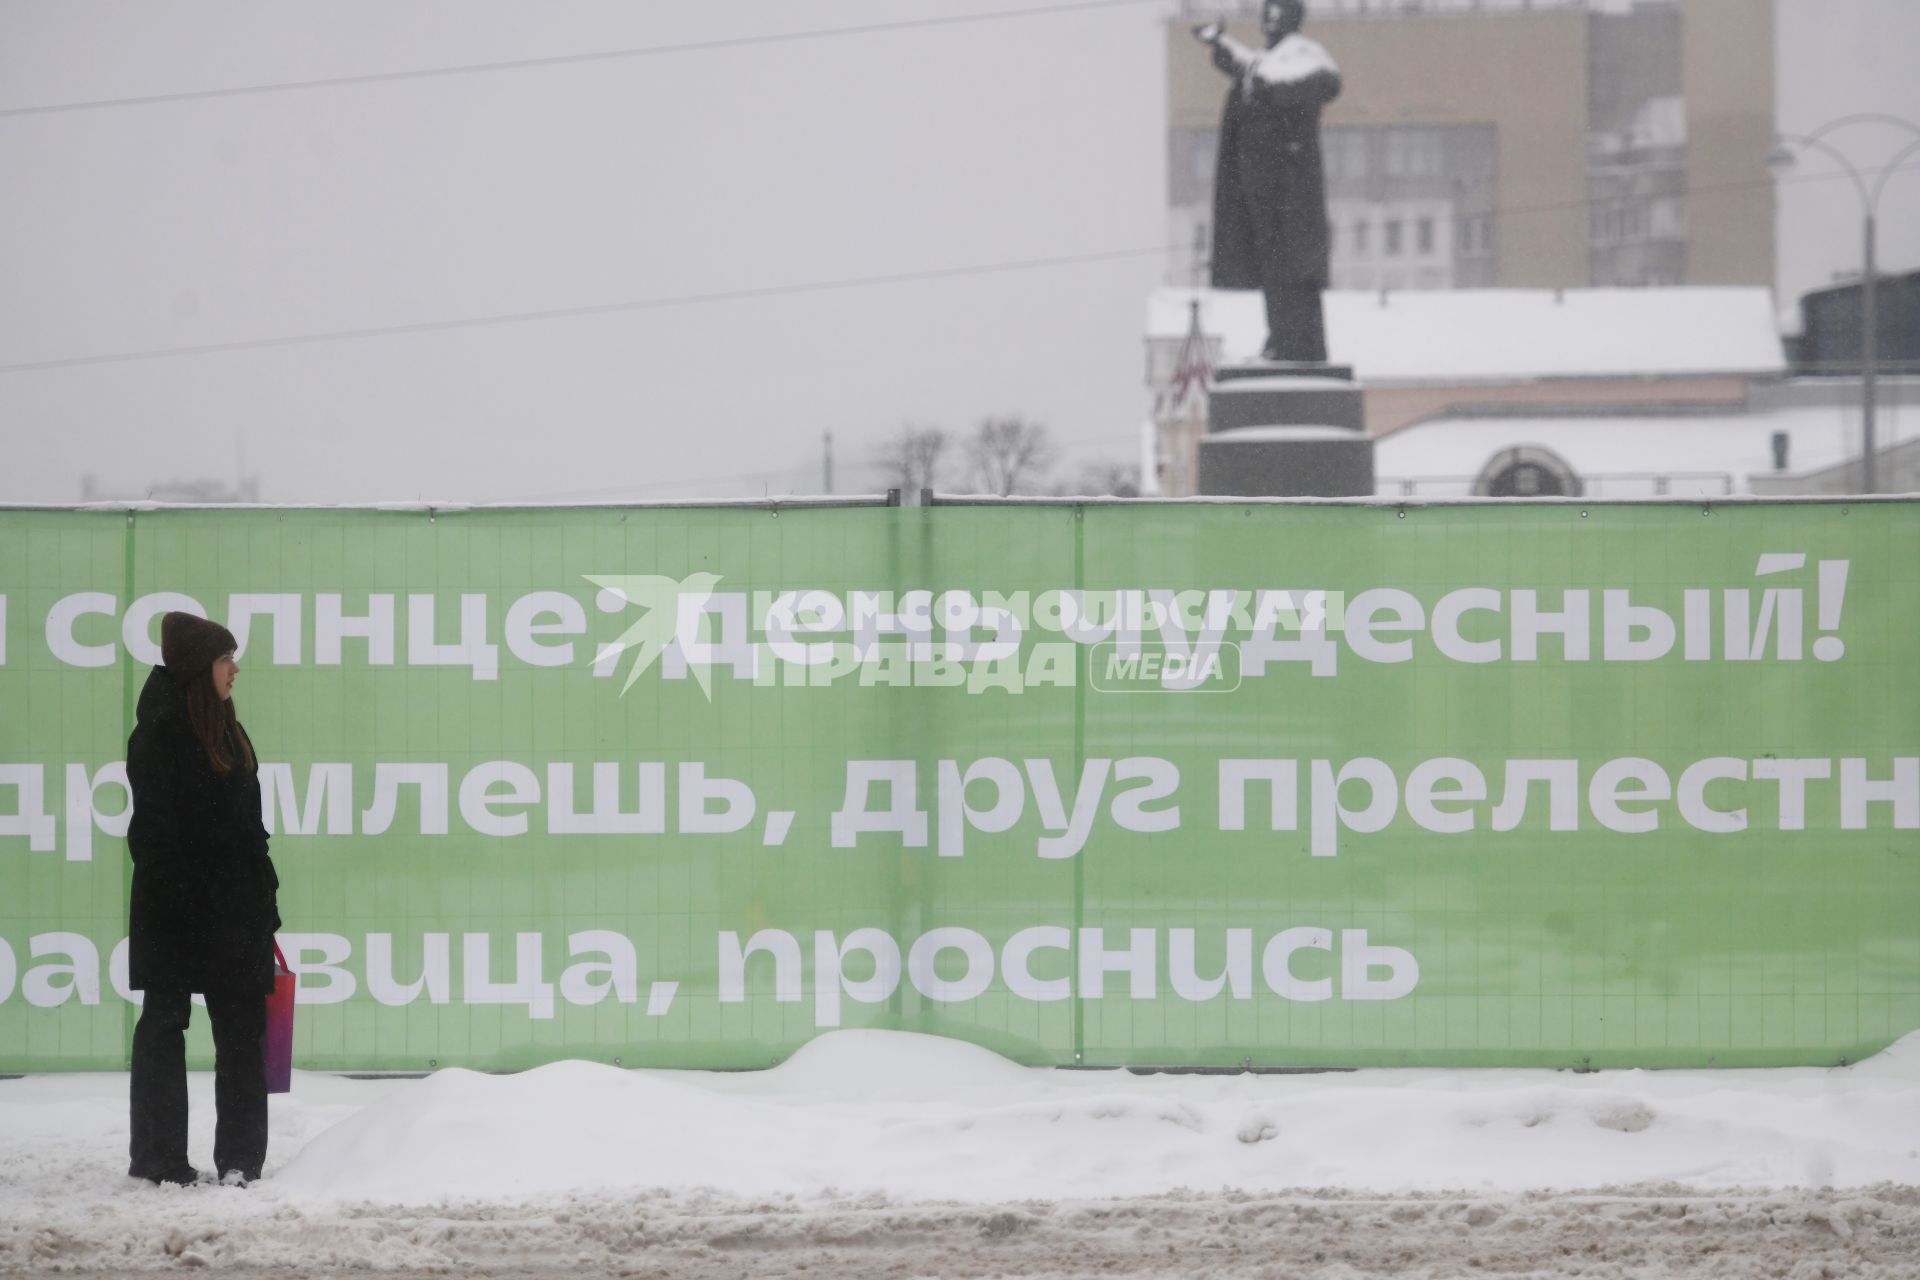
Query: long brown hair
(190, 643)
(216, 724)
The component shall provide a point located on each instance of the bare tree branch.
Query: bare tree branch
(1006, 455)
(911, 459)
(1110, 479)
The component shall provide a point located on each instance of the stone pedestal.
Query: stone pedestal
(1286, 431)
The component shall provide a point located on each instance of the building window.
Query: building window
(1431, 181)
(1609, 224)
(1427, 157)
(1669, 219)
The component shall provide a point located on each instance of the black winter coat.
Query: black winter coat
(1270, 190)
(202, 912)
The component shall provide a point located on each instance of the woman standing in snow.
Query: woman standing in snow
(201, 914)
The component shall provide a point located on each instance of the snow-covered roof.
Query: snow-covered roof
(1735, 445)
(1494, 335)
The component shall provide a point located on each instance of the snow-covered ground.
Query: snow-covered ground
(879, 1153)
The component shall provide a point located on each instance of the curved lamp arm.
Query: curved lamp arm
(1893, 167)
(1869, 198)
(1868, 117)
(1837, 156)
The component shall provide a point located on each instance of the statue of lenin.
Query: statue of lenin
(1270, 227)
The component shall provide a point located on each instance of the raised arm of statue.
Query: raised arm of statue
(1229, 55)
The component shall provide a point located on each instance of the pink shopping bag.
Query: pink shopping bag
(279, 1042)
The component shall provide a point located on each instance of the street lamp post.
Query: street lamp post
(1869, 303)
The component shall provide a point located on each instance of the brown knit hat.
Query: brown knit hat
(189, 645)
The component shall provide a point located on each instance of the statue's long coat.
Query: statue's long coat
(201, 913)
(1270, 192)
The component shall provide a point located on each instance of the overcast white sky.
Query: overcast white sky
(687, 174)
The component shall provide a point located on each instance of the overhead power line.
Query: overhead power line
(743, 295)
(572, 59)
(602, 309)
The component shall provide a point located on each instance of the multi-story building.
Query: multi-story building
(1516, 143)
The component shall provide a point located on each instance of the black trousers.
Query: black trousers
(1296, 329)
(158, 1092)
